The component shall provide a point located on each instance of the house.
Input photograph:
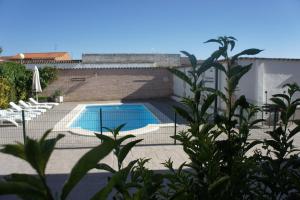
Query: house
(266, 78)
(37, 56)
(112, 76)
(144, 76)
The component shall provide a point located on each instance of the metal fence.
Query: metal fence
(80, 128)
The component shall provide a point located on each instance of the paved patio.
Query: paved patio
(62, 160)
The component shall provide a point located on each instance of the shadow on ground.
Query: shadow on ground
(88, 186)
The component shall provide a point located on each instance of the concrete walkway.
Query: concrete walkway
(62, 161)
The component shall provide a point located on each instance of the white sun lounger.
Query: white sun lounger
(23, 105)
(34, 102)
(11, 121)
(10, 111)
(18, 108)
(16, 115)
(26, 105)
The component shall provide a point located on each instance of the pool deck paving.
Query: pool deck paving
(63, 158)
(62, 161)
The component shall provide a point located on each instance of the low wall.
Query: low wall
(161, 60)
(112, 84)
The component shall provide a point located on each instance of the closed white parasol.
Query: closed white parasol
(36, 84)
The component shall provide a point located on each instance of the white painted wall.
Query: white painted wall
(280, 72)
(181, 89)
(265, 75)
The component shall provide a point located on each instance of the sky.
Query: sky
(149, 26)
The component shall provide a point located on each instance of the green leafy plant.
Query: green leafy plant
(120, 177)
(37, 154)
(48, 75)
(20, 79)
(281, 167)
(5, 92)
(57, 93)
(217, 150)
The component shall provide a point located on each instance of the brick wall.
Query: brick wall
(112, 84)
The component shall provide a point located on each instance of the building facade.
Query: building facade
(112, 76)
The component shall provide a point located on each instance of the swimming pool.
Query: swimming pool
(135, 116)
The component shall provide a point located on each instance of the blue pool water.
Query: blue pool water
(134, 115)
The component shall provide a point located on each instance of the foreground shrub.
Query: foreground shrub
(48, 75)
(5, 93)
(20, 80)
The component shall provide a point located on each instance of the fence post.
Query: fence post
(216, 88)
(175, 128)
(24, 126)
(101, 125)
(275, 118)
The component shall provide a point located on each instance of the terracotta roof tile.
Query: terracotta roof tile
(40, 56)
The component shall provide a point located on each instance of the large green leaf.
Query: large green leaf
(47, 147)
(183, 113)
(207, 103)
(21, 188)
(217, 54)
(217, 92)
(86, 163)
(181, 75)
(124, 151)
(238, 69)
(206, 65)
(118, 129)
(214, 40)
(284, 96)
(105, 167)
(235, 78)
(293, 132)
(279, 102)
(34, 181)
(16, 150)
(34, 155)
(247, 52)
(218, 183)
(122, 139)
(218, 66)
(242, 102)
(192, 58)
(104, 137)
(116, 179)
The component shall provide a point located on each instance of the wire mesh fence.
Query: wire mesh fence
(80, 126)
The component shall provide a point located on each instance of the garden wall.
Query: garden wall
(112, 84)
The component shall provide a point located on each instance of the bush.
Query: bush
(20, 79)
(5, 92)
(47, 75)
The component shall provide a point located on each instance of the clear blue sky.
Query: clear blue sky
(148, 26)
